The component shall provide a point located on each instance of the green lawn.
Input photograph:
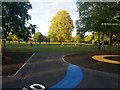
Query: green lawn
(24, 47)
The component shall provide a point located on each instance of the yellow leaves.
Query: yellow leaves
(61, 26)
(88, 38)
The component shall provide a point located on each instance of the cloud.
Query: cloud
(53, 6)
(43, 28)
(48, 1)
(43, 11)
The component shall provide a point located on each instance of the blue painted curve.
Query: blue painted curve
(73, 78)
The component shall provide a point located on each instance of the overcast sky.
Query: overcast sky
(43, 11)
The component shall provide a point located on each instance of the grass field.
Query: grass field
(25, 47)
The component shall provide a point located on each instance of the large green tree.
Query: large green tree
(61, 27)
(15, 18)
(38, 37)
(93, 14)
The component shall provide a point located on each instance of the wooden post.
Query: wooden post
(3, 49)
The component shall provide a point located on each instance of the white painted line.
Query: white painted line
(39, 85)
(20, 67)
(24, 64)
(65, 56)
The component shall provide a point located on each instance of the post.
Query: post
(3, 49)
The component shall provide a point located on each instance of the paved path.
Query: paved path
(50, 69)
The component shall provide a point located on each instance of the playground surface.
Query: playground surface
(63, 70)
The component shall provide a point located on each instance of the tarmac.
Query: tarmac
(49, 69)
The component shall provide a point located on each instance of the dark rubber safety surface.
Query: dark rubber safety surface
(85, 60)
(96, 74)
(114, 58)
(50, 68)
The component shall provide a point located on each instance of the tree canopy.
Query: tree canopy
(38, 37)
(15, 18)
(93, 14)
(61, 27)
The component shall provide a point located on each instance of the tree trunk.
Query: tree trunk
(60, 42)
(9, 41)
(39, 42)
(110, 35)
(103, 36)
(111, 40)
(3, 46)
(99, 46)
(18, 41)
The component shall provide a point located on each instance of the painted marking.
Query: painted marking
(20, 67)
(23, 65)
(24, 88)
(103, 59)
(73, 77)
(33, 87)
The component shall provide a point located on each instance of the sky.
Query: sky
(43, 11)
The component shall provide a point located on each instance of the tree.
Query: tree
(78, 38)
(15, 19)
(46, 39)
(11, 37)
(61, 27)
(93, 14)
(88, 39)
(0, 16)
(38, 37)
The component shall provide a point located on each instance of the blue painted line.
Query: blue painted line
(73, 78)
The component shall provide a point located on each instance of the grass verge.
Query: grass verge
(56, 48)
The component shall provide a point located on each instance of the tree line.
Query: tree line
(92, 18)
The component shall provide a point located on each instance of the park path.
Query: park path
(50, 68)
